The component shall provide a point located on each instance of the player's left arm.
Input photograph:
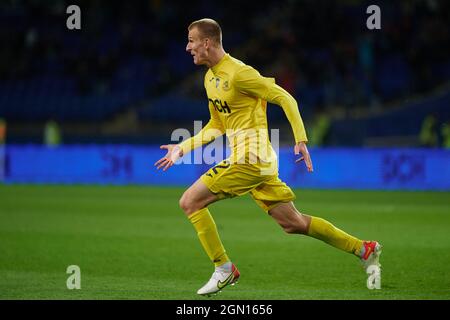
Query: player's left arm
(250, 82)
(281, 97)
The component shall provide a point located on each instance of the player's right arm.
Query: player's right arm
(211, 131)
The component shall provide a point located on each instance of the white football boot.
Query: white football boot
(219, 280)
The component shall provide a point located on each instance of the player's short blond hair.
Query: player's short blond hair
(208, 28)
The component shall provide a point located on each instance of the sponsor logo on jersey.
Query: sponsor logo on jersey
(221, 106)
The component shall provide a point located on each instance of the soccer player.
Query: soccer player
(238, 97)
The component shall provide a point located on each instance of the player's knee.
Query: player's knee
(188, 205)
(185, 204)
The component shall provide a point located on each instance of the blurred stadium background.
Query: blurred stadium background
(125, 76)
(92, 106)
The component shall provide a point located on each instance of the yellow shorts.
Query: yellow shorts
(228, 180)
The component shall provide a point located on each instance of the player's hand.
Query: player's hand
(301, 148)
(174, 152)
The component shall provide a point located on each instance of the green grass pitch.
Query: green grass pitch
(133, 242)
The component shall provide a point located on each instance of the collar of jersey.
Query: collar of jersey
(215, 68)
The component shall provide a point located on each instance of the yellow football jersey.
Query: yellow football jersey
(237, 100)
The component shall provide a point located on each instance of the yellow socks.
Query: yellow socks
(209, 238)
(325, 231)
(319, 229)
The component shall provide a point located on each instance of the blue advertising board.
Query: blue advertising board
(334, 168)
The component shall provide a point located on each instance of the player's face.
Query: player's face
(197, 47)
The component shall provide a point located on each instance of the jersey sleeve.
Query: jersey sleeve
(249, 81)
(209, 133)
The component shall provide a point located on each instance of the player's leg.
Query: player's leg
(194, 203)
(292, 221)
(275, 197)
(214, 185)
(197, 197)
